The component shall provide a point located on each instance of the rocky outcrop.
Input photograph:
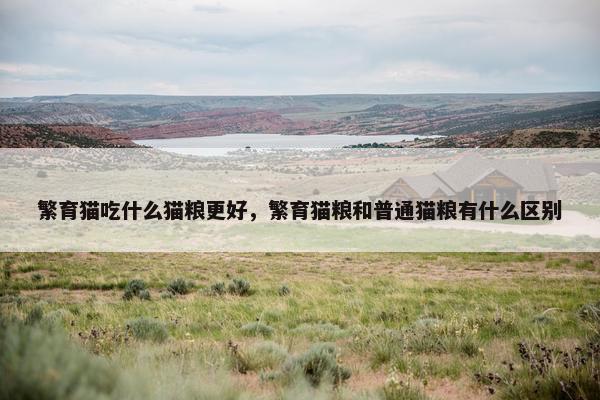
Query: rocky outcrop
(15, 135)
(543, 138)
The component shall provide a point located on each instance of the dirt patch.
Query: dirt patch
(366, 381)
(462, 389)
(85, 256)
(44, 273)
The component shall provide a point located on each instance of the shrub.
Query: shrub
(391, 344)
(283, 290)
(8, 297)
(6, 272)
(167, 295)
(542, 318)
(179, 286)
(239, 360)
(547, 373)
(424, 340)
(257, 328)
(147, 329)
(590, 312)
(385, 346)
(239, 287)
(133, 288)
(217, 288)
(59, 316)
(144, 294)
(37, 277)
(266, 355)
(431, 335)
(587, 265)
(318, 365)
(35, 315)
(7, 268)
(323, 331)
(468, 346)
(402, 392)
(40, 363)
(261, 356)
(43, 364)
(397, 389)
(557, 263)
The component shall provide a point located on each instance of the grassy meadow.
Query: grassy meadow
(300, 325)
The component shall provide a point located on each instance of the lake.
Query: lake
(219, 145)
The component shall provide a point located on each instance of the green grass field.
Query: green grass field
(300, 325)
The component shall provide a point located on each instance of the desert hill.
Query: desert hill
(146, 117)
(537, 138)
(40, 135)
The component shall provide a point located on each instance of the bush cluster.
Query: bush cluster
(38, 363)
(547, 373)
(35, 315)
(256, 329)
(236, 287)
(136, 288)
(179, 286)
(283, 290)
(260, 356)
(590, 312)
(318, 365)
(323, 331)
(239, 287)
(217, 288)
(147, 329)
(587, 265)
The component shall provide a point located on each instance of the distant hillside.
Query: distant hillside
(223, 121)
(542, 138)
(379, 119)
(140, 116)
(14, 135)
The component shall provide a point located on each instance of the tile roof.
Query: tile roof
(531, 175)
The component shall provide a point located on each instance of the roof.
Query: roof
(427, 185)
(531, 175)
(486, 173)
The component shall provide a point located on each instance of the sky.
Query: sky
(279, 47)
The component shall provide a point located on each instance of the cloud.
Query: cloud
(217, 8)
(286, 47)
(418, 71)
(166, 88)
(35, 71)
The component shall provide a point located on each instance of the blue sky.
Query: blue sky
(276, 47)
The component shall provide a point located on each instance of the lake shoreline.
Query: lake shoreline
(278, 141)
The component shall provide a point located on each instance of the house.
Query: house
(475, 178)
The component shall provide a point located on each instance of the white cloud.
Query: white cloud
(35, 71)
(534, 70)
(214, 8)
(285, 46)
(423, 71)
